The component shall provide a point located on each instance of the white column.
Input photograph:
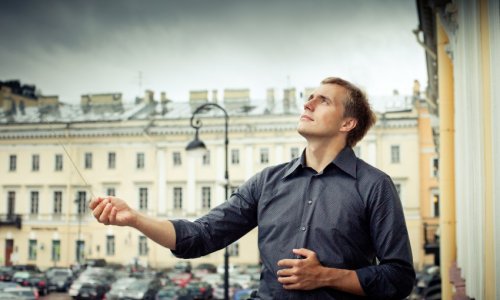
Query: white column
(219, 192)
(190, 203)
(161, 181)
(278, 153)
(494, 18)
(371, 156)
(249, 161)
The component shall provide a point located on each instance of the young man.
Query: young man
(330, 225)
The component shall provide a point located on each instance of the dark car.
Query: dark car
(142, 289)
(200, 290)
(6, 273)
(174, 293)
(31, 279)
(59, 279)
(92, 291)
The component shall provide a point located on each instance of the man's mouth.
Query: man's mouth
(306, 118)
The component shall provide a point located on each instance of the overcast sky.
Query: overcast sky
(70, 48)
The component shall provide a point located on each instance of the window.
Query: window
(205, 197)
(357, 151)
(294, 153)
(143, 245)
(111, 160)
(12, 163)
(235, 156)
(264, 156)
(139, 161)
(143, 198)
(11, 203)
(234, 249)
(435, 203)
(88, 160)
(233, 189)
(206, 158)
(111, 191)
(56, 250)
(32, 249)
(177, 158)
(395, 154)
(110, 245)
(80, 251)
(35, 162)
(177, 198)
(435, 167)
(58, 162)
(57, 202)
(34, 202)
(81, 205)
(398, 189)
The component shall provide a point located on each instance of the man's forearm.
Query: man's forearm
(160, 231)
(342, 280)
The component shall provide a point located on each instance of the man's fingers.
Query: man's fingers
(303, 252)
(95, 201)
(287, 279)
(112, 215)
(287, 262)
(104, 217)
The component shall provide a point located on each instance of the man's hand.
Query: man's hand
(301, 274)
(112, 211)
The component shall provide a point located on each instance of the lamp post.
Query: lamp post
(197, 144)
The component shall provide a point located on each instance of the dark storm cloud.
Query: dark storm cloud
(74, 47)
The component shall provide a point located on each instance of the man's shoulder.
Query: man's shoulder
(368, 173)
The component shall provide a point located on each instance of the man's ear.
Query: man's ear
(348, 124)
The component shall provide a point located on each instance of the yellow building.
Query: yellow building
(462, 43)
(52, 166)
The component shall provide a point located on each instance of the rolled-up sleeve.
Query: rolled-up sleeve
(393, 277)
(219, 228)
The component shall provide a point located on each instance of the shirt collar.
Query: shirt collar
(345, 160)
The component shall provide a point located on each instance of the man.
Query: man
(330, 225)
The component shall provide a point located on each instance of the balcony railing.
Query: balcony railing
(431, 241)
(11, 220)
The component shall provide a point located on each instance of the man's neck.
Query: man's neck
(321, 153)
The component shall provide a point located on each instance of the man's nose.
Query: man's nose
(309, 105)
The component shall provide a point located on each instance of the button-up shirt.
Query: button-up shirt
(349, 214)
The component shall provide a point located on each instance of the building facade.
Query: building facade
(52, 167)
(462, 42)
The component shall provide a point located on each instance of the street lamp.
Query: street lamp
(197, 144)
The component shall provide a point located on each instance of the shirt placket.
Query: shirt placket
(308, 205)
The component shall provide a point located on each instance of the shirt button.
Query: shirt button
(309, 202)
(303, 228)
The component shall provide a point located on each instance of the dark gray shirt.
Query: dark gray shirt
(349, 214)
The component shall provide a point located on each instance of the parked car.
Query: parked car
(181, 279)
(142, 289)
(91, 291)
(59, 279)
(183, 266)
(9, 296)
(219, 290)
(24, 293)
(200, 290)
(118, 288)
(7, 284)
(174, 293)
(33, 279)
(6, 273)
(205, 268)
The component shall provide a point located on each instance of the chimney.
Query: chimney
(288, 100)
(214, 96)
(270, 99)
(148, 96)
(163, 97)
(416, 88)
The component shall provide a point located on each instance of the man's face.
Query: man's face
(323, 115)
